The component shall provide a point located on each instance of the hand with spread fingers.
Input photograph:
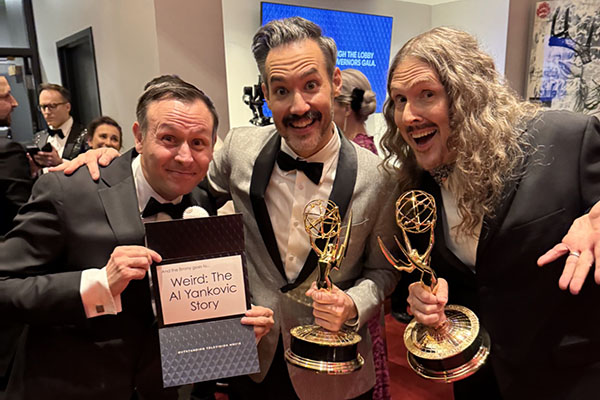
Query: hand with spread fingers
(582, 243)
(127, 263)
(426, 306)
(92, 158)
(331, 308)
(262, 320)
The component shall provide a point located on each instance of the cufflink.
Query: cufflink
(99, 309)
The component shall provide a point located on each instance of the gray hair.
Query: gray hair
(171, 87)
(356, 91)
(290, 30)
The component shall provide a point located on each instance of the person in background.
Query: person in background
(353, 106)
(15, 188)
(67, 137)
(104, 132)
(508, 180)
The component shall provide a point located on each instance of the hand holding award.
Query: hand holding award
(459, 346)
(312, 346)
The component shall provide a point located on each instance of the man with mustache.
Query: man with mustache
(253, 168)
(508, 180)
(297, 65)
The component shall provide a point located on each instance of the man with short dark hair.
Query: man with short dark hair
(66, 136)
(75, 266)
(297, 65)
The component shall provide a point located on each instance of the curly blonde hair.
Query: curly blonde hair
(487, 122)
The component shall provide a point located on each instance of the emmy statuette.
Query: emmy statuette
(312, 346)
(459, 346)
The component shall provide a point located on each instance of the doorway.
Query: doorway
(77, 61)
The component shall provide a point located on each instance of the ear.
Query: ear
(68, 107)
(89, 142)
(138, 137)
(337, 82)
(348, 110)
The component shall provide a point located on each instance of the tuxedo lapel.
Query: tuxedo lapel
(341, 194)
(261, 174)
(441, 247)
(491, 226)
(120, 201)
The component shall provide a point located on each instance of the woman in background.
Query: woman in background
(353, 106)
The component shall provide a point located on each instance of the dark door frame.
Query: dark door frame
(84, 36)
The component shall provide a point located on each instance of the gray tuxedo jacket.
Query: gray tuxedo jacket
(241, 171)
(72, 223)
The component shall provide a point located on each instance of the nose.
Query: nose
(299, 104)
(411, 114)
(13, 101)
(184, 154)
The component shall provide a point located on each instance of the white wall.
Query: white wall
(485, 19)
(190, 44)
(125, 43)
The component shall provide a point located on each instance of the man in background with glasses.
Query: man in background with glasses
(67, 137)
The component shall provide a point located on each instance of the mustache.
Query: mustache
(290, 119)
(411, 128)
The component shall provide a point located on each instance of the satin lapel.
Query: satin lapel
(72, 140)
(490, 226)
(341, 194)
(440, 247)
(120, 201)
(261, 174)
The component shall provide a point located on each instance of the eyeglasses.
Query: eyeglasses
(51, 106)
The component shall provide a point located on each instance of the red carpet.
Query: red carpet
(405, 383)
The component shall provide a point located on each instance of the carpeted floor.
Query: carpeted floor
(405, 383)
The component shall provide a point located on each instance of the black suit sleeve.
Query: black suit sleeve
(15, 182)
(35, 284)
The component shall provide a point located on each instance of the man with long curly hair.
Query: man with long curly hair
(508, 179)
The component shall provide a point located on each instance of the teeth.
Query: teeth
(302, 126)
(423, 134)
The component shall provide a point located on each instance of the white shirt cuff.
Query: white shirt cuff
(95, 294)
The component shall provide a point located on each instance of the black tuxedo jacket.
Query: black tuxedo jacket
(76, 142)
(545, 342)
(70, 224)
(15, 187)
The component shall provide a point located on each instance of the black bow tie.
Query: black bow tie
(174, 210)
(312, 170)
(58, 132)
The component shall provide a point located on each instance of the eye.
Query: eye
(312, 85)
(399, 100)
(427, 94)
(280, 91)
(168, 138)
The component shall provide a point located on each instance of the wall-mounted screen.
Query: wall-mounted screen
(363, 40)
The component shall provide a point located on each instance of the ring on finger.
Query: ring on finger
(574, 253)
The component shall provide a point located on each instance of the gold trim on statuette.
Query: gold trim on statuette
(331, 368)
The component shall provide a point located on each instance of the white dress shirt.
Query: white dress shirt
(286, 196)
(464, 247)
(57, 142)
(95, 292)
